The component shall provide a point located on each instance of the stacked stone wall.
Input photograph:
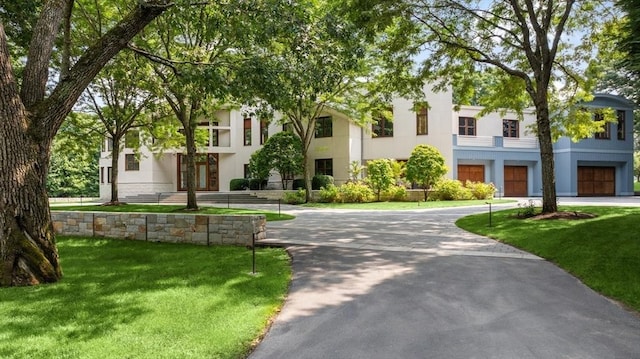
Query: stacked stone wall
(171, 228)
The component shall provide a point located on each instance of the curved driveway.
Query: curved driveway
(412, 285)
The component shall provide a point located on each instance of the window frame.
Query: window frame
(264, 131)
(422, 115)
(606, 134)
(470, 123)
(324, 127)
(247, 131)
(321, 168)
(622, 125)
(131, 163)
(383, 127)
(109, 174)
(509, 125)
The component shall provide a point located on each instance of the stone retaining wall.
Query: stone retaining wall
(172, 228)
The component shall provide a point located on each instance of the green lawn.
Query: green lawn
(604, 252)
(636, 186)
(390, 206)
(127, 299)
(153, 208)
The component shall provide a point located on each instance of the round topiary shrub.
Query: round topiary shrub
(239, 184)
(319, 181)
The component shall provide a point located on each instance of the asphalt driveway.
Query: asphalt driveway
(412, 285)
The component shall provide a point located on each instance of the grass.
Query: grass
(636, 187)
(127, 299)
(603, 252)
(392, 206)
(152, 208)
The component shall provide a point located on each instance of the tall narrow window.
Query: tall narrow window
(247, 171)
(247, 132)
(510, 128)
(101, 174)
(324, 127)
(109, 144)
(422, 121)
(131, 163)
(264, 131)
(605, 134)
(466, 126)
(383, 127)
(132, 139)
(214, 134)
(324, 166)
(109, 175)
(622, 126)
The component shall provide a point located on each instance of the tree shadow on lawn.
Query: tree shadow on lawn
(109, 283)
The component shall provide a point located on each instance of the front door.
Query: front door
(206, 172)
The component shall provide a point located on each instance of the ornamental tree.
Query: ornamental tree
(380, 176)
(425, 167)
(540, 52)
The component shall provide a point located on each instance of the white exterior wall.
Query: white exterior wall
(404, 138)
(491, 124)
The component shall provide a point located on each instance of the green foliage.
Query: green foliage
(355, 192)
(395, 193)
(319, 181)
(480, 190)
(329, 194)
(126, 299)
(636, 165)
(399, 170)
(449, 190)
(259, 165)
(425, 167)
(283, 152)
(296, 197)
(355, 170)
(298, 183)
(73, 171)
(257, 184)
(629, 40)
(379, 176)
(239, 184)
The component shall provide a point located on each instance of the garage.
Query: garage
(596, 181)
(473, 173)
(515, 181)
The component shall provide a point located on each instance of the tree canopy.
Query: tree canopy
(425, 167)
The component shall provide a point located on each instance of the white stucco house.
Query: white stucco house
(495, 148)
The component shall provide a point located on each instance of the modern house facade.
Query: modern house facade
(496, 148)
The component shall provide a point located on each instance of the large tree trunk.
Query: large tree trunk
(28, 123)
(549, 200)
(190, 139)
(115, 157)
(28, 252)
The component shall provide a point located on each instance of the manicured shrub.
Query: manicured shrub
(480, 190)
(319, 181)
(299, 183)
(297, 197)
(395, 193)
(255, 184)
(355, 192)
(239, 184)
(328, 194)
(449, 190)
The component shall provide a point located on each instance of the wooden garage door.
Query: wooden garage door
(515, 181)
(596, 181)
(473, 173)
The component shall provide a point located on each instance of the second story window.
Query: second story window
(132, 139)
(466, 126)
(422, 121)
(288, 126)
(622, 126)
(247, 132)
(510, 128)
(264, 131)
(605, 134)
(383, 127)
(324, 127)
